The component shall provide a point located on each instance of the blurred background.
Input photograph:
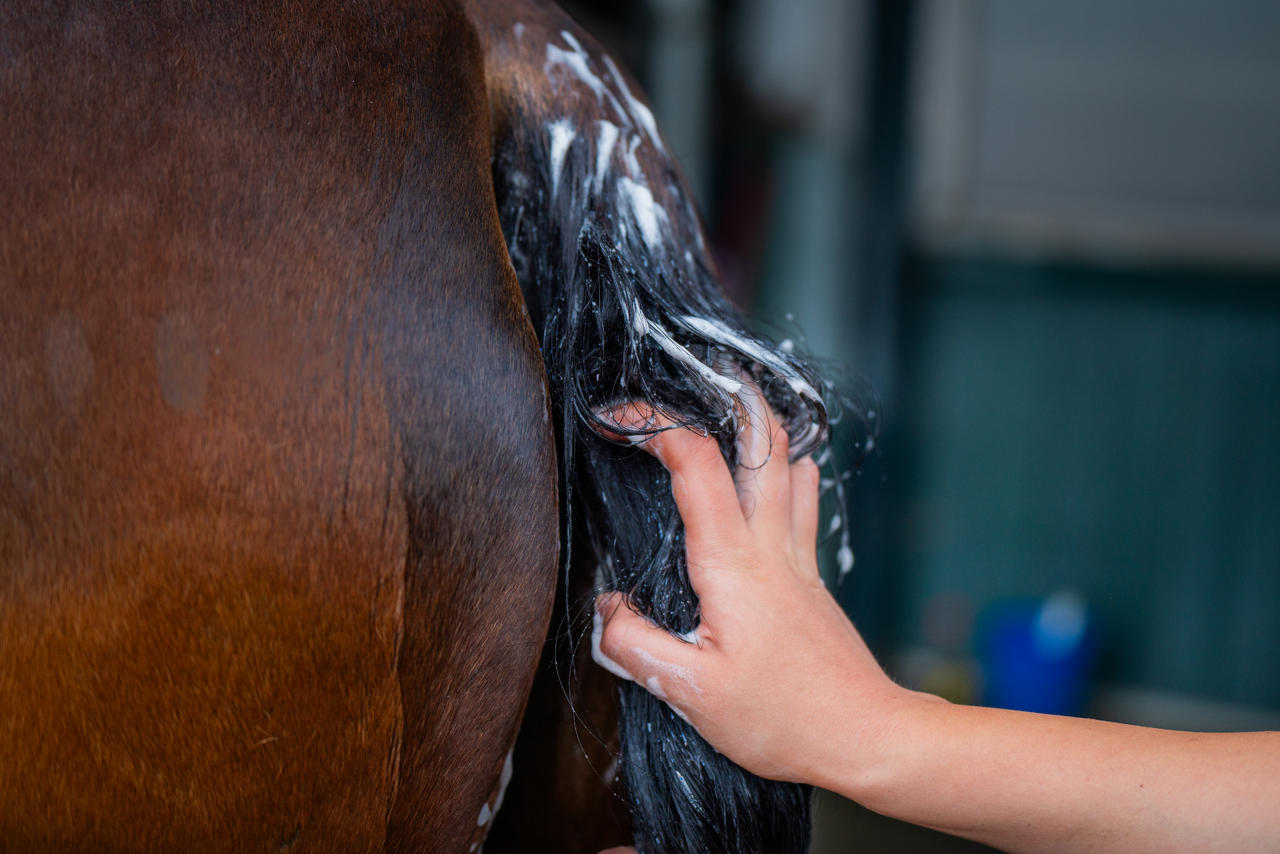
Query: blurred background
(1039, 244)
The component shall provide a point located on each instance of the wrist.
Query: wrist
(876, 756)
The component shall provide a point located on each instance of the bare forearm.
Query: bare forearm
(1025, 782)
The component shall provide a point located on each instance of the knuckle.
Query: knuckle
(781, 441)
(806, 475)
(615, 630)
(617, 647)
(701, 450)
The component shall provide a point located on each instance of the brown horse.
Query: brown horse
(279, 514)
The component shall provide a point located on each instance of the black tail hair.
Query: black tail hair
(621, 289)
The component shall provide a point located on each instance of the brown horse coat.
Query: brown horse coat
(278, 524)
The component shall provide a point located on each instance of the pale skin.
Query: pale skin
(781, 682)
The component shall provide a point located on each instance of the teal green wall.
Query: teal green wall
(1117, 432)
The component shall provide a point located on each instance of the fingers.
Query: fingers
(700, 481)
(775, 500)
(761, 477)
(804, 511)
(629, 646)
(755, 436)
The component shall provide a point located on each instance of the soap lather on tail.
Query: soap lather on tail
(609, 252)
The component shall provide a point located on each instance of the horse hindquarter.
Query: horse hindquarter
(277, 496)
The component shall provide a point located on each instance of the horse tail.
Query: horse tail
(608, 249)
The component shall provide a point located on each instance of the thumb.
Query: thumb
(631, 647)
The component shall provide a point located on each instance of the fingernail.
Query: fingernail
(613, 416)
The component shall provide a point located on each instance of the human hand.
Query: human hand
(780, 682)
(778, 675)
